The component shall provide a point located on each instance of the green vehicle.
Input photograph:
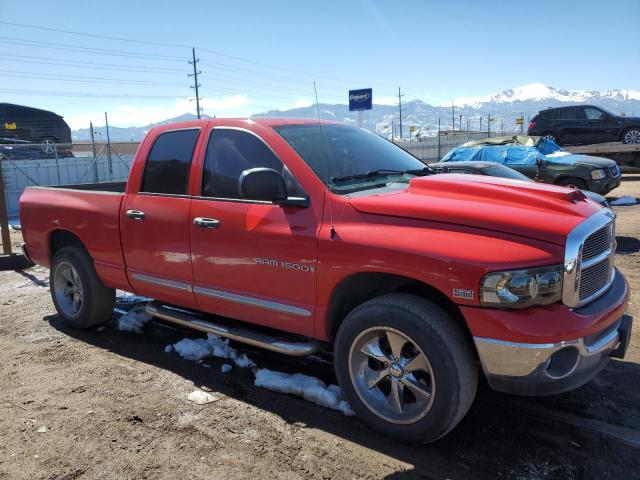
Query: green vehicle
(541, 159)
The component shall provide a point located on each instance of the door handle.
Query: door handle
(206, 222)
(135, 214)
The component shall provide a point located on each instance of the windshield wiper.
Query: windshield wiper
(373, 173)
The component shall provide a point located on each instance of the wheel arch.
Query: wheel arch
(61, 238)
(360, 287)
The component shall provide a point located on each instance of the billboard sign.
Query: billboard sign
(360, 99)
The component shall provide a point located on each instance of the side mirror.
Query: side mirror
(262, 184)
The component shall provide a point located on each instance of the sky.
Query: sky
(130, 58)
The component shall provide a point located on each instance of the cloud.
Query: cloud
(385, 100)
(141, 115)
(302, 103)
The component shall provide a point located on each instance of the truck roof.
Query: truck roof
(239, 121)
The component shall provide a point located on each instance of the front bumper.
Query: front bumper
(604, 185)
(533, 368)
(547, 369)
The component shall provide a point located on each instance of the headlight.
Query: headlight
(522, 288)
(598, 174)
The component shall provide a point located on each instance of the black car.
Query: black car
(497, 170)
(19, 124)
(584, 125)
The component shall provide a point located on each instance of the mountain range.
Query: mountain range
(467, 112)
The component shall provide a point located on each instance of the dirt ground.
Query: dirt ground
(107, 404)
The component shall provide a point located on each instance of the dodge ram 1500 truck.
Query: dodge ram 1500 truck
(298, 236)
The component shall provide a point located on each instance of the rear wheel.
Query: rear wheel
(631, 136)
(80, 297)
(48, 145)
(406, 367)
(573, 183)
(551, 136)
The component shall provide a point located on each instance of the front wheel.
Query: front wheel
(551, 136)
(574, 183)
(631, 136)
(80, 297)
(406, 367)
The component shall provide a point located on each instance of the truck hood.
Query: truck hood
(533, 210)
(597, 162)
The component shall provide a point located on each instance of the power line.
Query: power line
(98, 51)
(76, 94)
(81, 79)
(95, 65)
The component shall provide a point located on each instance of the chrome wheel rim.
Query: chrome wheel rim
(68, 289)
(391, 375)
(632, 136)
(48, 146)
(550, 137)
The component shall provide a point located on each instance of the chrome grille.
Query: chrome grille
(589, 259)
(594, 278)
(596, 243)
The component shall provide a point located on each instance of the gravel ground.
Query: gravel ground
(109, 404)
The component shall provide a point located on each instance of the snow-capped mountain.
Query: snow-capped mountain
(540, 92)
(468, 112)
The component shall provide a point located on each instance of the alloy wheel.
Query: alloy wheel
(632, 137)
(68, 289)
(391, 375)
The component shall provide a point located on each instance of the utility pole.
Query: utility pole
(93, 152)
(400, 107)
(460, 123)
(106, 123)
(453, 117)
(480, 123)
(393, 129)
(195, 74)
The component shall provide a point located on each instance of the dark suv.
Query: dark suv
(19, 124)
(583, 125)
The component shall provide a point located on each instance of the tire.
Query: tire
(72, 267)
(48, 145)
(449, 374)
(631, 136)
(551, 136)
(573, 183)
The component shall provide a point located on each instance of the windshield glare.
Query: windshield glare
(341, 150)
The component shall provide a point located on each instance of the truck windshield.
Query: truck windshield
(348, 158)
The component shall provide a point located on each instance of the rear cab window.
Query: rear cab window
(167, 167)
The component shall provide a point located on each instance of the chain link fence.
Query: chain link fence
(27, 164)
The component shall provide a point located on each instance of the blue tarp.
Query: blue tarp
(510, 154)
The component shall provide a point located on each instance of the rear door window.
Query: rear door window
(566, 114)
(169, 162)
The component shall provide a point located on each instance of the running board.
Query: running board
(238, 334)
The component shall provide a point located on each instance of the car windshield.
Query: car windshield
(505, 172)
(347, 158)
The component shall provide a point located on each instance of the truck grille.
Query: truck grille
(614, 171)
(589, 259)
(594, 278)
(596, 243)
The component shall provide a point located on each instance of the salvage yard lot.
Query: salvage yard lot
(104, 403)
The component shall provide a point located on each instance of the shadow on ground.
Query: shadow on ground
(502, 436)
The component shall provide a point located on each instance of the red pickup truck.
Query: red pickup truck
(297, 236)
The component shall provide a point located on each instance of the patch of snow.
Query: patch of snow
(311, 389)
(127, 297)
(201, 398)
(626, 200)
(559, 153)
(214, 346)
(133, 320)
(225, 368)
(42, 429)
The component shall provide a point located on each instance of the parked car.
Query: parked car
(498, 170)
(35, 126)
(297, 236)
(541, 158)
(584, 125)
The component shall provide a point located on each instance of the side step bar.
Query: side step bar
(238, 334)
